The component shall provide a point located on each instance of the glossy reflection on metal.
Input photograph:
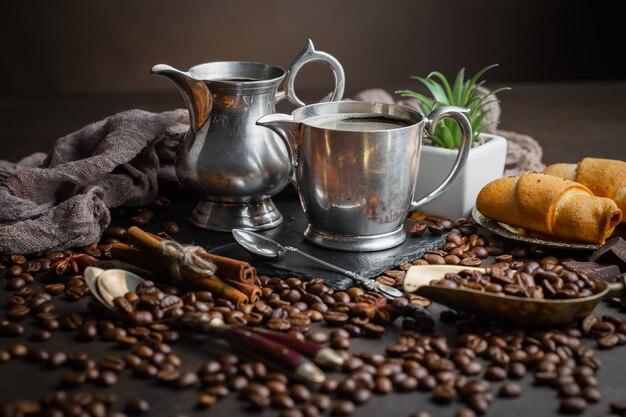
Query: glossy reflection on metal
(235, 165)
(357, 185)
(224, 217)
(355, 243)
(523, 312)
(258, 244)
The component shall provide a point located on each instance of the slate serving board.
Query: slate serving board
(290, 232)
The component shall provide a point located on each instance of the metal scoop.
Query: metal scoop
(268, 248)
(281, 351)
(523, 312)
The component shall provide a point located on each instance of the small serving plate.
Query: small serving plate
(510, 232)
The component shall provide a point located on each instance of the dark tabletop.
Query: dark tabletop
(570, 121)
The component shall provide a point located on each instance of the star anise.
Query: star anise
(73, 264)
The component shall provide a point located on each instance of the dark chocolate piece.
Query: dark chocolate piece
(603, 272)
(612, 252)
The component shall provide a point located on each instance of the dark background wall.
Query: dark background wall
(83, 47)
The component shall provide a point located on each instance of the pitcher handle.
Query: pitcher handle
(437, 115)
(309, 54)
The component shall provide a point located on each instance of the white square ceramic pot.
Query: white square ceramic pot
(484, 164)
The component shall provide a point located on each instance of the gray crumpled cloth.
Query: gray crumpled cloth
(63, 200)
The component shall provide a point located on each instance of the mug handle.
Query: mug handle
(307, 55)
(431, 121)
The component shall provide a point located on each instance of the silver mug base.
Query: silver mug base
(353, 243)
(224, 217)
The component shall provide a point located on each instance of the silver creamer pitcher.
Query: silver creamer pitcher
(233, 164)
(356, 168)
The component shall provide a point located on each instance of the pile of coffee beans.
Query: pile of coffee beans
(149, 304)
(530, 280)
(482, 364)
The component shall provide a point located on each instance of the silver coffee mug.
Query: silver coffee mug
(355, 168)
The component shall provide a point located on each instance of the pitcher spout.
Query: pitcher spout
(195, 93)
(287, 129)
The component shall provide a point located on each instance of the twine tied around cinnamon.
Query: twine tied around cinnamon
(186, 256)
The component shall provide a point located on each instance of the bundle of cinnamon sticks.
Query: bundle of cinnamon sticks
(233, 280)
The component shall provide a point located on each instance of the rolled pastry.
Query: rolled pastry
(604, 177)
(550, 206)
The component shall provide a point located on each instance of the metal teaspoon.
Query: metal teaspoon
(266, 247)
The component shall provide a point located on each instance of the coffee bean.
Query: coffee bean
(88, 331)
(57, 359)
(145, 370)
(607, 341)
(592, 394)
(17, 312)
(168, 375)
(300, 393)
(137, 406)
(218, 391)
(258, 402)
(417, 229)
(333, 318)
(16, 283)
(420, 414)
(568, 389)
(123, 306)
(317, 337)
(107, 378)
(618, 407)
(479, 403)
(321, 401)
(362, 395)
(18, 350)
(112, 363)
(12, 330)
(434, 259)
(140, 220)
(510, 390)
(40, 335)
(282, 401)
(343, 408)
(436, 229)
(444, 393)
(206, 400)
(74, 378)
(186, 380)
(383, 385)
(278, 324)
(37, 355)
(465, 412)
(373, 330)
(495, 373)
(141, 317)
(171, 228)
(143, 351)
(573, 405)
(55, 289)
(209, 367)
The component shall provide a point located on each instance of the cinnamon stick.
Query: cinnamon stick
(233, 269)
(227, 268)
(153, 262)
(252, 291)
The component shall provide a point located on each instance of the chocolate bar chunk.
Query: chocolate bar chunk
(603, 272)
(612, 252)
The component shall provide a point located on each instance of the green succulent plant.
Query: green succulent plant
(463, 93)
